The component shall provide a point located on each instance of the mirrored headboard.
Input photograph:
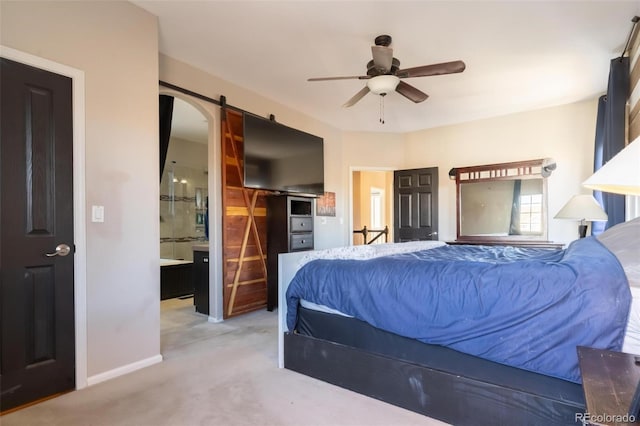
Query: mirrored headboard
(504, 202)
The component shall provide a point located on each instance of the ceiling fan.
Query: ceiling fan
(384, 74)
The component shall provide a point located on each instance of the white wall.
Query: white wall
(369, 152)
(116, 45)
(565, 133)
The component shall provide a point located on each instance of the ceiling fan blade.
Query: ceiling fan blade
(353, 77)
(382, 57)
(410, 92)
(356, 97)
(435, 69)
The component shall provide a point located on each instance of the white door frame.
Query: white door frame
(79, 197)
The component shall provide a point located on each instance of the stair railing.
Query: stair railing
(378, 233)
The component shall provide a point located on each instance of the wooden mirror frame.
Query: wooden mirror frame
(531, 169)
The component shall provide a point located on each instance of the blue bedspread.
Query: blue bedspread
(528, 308)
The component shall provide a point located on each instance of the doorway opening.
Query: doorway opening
(184, 211)
(372, 206)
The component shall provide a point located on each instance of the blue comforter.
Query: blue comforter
(528, 308)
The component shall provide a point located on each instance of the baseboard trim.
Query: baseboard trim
(125, 369)
(214, 320)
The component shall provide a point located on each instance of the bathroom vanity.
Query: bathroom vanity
(201, 278)
(175, 278)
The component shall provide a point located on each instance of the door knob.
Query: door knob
(61, 250)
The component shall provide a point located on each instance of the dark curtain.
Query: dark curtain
(610, 137)
(598, 227)
(514, 227)
(166, 113)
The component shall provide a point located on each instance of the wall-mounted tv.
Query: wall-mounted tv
(280, 158)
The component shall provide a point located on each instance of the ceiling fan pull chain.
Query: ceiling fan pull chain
(382, 108)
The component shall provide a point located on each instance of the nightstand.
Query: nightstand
(609, 381)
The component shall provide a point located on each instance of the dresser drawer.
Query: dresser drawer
(301, 224)
(301, 241)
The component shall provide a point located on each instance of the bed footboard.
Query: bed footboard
(444, 396)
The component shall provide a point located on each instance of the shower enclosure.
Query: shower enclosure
(183, 211)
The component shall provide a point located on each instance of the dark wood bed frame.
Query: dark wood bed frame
(450, 397)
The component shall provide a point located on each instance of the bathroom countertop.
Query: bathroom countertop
(174, 262)
(200, 247)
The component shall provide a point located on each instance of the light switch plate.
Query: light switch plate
(97, 213)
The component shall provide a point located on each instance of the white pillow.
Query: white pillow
(631, 344)
(623, 240)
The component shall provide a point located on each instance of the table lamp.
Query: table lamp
(621, 174)
(583, 208)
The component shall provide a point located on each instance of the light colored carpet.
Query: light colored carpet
(214, 374)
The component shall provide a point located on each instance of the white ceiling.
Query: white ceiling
(519, 55)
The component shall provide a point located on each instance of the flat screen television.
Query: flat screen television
(280, 158)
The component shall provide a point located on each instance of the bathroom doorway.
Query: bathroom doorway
(183, 213)
(183, 186)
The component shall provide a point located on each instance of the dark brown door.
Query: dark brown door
(416, 204)
(36, 216)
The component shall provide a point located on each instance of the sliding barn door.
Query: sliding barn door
(416, 204)
(244, 235)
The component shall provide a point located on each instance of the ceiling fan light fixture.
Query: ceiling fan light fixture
(383, 84)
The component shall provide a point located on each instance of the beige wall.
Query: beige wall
(366, 151)
(565, 133)
(116, 45)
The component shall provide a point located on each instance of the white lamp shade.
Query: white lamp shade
(582, 207)
(383, 84)
(621, 174)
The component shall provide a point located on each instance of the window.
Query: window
(376, 208)
(531, 213)
(377, 212)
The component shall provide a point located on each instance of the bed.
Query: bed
(497, 363)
